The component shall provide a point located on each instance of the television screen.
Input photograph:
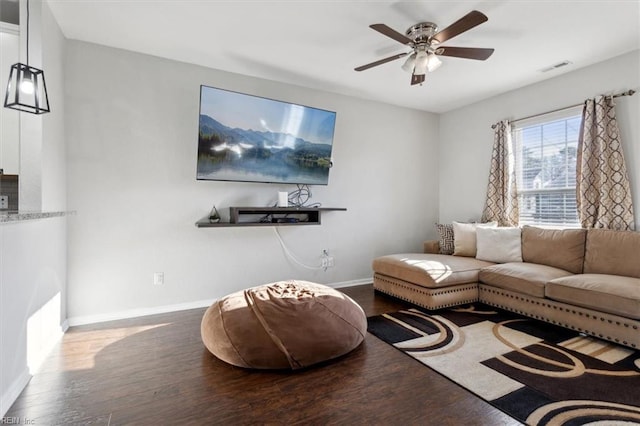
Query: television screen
(252, 139)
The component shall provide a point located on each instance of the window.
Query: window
(545, 156)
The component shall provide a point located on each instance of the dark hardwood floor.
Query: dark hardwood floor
(156, 371)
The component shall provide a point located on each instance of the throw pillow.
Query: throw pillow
(464, 237)
(445, 237)
(500, 245)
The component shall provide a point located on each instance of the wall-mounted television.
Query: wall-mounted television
(248, 138)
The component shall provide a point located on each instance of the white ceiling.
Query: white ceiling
(317, 44)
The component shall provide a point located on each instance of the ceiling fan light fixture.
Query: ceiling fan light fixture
(424, 39)
(409, 63)
(422, 60)
(433, 63)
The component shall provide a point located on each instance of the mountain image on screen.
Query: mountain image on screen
(236, 154)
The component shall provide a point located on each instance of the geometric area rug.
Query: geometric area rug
(538, 373)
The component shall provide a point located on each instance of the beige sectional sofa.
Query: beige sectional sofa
(586, 280)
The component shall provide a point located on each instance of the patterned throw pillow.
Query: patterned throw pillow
(445, 237)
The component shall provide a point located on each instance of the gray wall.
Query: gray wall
(132, 125)
(466, 137)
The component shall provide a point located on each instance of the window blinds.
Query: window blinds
(545, 160)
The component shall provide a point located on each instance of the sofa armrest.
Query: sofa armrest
(431, 246)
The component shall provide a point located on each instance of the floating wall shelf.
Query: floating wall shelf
(270, 216)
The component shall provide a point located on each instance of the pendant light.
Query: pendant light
(26, 89)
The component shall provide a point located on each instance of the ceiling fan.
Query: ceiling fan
(424, 40)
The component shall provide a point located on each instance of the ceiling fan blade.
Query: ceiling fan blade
(470, 20)
(417, 79)
(381, 61)
(465, 52)
(390, 32)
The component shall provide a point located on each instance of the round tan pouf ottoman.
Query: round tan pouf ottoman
(287, 324)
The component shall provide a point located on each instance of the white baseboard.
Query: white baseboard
(141, 312)
(351, 283)
(13, 392)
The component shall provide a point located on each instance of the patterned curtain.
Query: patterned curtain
(502, 196)
(602, 184)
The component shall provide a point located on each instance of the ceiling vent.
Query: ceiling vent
(556, 66)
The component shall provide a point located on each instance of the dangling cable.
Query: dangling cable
(291, 256)
(301, 196)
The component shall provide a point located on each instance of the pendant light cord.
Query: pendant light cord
(27, 32)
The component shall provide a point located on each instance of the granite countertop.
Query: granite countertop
(16, 216)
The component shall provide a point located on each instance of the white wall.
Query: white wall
(9, 118)
(132, 124)
(31, 130)
(466, 137)
(32, 273)
(33, 254)
(53, 147)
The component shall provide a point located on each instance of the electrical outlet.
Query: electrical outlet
(158, 278)
(326, 261)
(4, 201)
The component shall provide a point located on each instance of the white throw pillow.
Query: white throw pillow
(464, 237)
(500, 245)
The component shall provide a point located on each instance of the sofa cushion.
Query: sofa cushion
(430, 270)
(500, 245)
(527, 278)
(560, 248)
(611, 252)
(464, 237)
(608, 293)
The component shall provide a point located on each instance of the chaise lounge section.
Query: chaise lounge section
(586, 280)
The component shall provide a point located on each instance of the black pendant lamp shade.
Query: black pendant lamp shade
(26, 89)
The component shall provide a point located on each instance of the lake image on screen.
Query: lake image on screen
(253, 139)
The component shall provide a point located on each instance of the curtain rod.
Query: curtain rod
(627, 93)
